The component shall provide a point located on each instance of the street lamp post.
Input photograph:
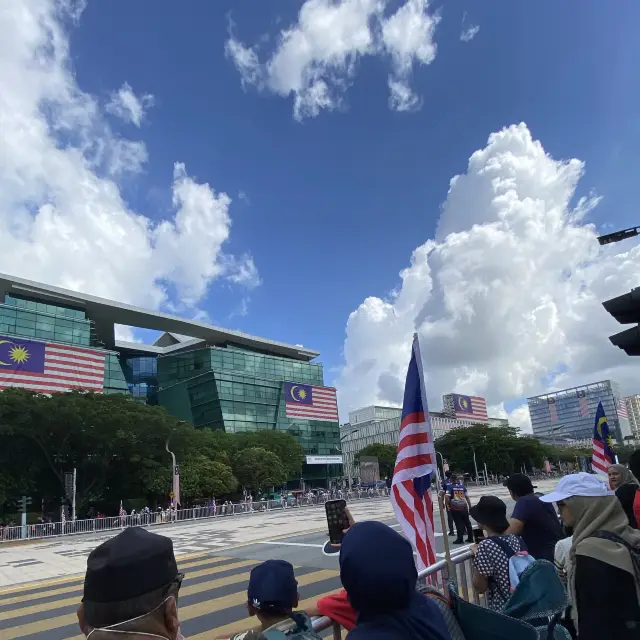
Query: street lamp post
(175, 469)
(475, 464)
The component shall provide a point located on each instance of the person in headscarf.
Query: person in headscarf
(379, 574)
(603, 585)
(625, 484)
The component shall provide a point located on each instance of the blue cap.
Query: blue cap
(273, 587)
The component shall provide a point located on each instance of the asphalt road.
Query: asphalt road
(212, 598)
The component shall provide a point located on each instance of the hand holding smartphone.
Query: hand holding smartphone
(338, 520)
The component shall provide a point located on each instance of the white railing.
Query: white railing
(172, 516)
(437, 576)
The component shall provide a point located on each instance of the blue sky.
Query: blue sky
(331, 207)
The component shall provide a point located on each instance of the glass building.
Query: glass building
(206, 375)
(569, 415)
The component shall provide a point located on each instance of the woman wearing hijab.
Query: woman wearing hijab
(379, 574)
(625, 484)
(603, 584)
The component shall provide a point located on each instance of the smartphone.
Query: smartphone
(336, 519)
(478, 535)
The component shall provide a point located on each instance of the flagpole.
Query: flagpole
(451, 570)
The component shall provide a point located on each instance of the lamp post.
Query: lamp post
(350, 467)
(175, 469)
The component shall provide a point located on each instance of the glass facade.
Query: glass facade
(33, 319)
(570, 413)
(141, 373)
(239, 390)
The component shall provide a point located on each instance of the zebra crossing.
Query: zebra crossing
(212, 601)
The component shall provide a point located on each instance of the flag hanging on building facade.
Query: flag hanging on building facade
(583, 403)
(621, 407)
(49, 368)
(470, 407)
(553, 412)
(602, 456)
(310, 402)
(415, 462)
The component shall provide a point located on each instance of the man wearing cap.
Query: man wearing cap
(491, 561)
(131, 589)
(272, 595)
(532, 519)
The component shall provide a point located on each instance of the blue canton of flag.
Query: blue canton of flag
(603, 456)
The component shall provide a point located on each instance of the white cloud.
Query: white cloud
(509, 290)
(125, 104)
(469, 32)
(62, 217)
(315, 59)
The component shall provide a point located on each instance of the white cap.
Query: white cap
(578, 484)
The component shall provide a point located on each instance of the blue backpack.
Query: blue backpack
(519, 561)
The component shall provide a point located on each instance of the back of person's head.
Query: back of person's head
(448, 474)
(490, 512)
(132, 585)
(272, 590)
(634, 463)
(377, 568)
(519, 485)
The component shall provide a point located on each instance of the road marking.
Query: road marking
(290, 544)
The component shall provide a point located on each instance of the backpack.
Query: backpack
(634, 552)
(518, 561)
(303, 630)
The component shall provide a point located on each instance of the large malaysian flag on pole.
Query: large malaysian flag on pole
(415, 462)
(603, 456)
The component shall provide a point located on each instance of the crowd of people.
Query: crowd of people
(132, 582)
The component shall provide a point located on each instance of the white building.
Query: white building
(381, 425)
(633, 411)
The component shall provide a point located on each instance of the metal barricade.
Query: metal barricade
(437, 576)
(169, 516)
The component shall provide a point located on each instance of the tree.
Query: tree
(257, 468)
(282, 444)
(200, 478)
(386, 454)
(501, 449)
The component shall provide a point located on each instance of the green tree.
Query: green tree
(200, 478)
(282, 444)
(386, 454)
(257, 468)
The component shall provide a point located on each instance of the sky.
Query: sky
(337, 174)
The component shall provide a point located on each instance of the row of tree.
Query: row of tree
(117, 446)
(502, 449)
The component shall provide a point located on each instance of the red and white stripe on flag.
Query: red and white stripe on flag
(411, 483)
(600, 461)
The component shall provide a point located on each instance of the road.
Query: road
(213, 595)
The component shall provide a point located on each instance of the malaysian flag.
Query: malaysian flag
(602, 456)
(621, 406)
(123, 514)
(583, 403)
(553, 412)
(411, 484)
(310, 402)
(63, 517)
(48, 367)
(470, 407)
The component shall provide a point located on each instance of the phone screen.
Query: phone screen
(336, 519)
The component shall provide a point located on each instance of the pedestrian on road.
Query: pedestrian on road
(603, 579)
(131, 589)
(459, 504)
(446, 485)
(535, 521)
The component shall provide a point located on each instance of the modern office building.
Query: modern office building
(633, 411)
(569, 414)
(208, 376)
(375, 424)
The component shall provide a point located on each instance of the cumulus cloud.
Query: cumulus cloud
(125, 104)
(316, 58)
(62, 216)
(508, 291)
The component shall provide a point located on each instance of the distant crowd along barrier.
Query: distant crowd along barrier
(170, 516)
